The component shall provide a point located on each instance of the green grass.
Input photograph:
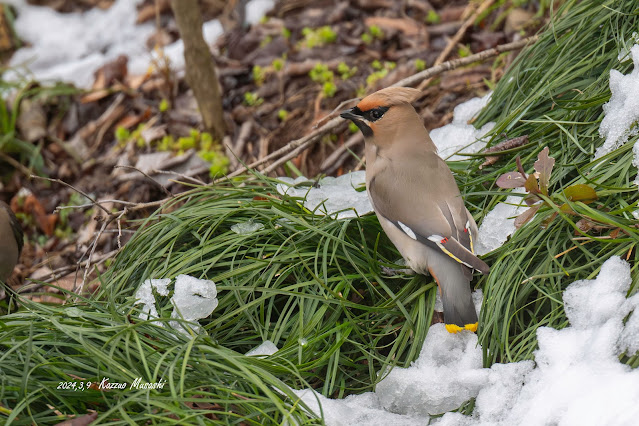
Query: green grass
(554, 93)
(313, 285)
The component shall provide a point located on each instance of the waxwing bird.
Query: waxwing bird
(417, 200)
(11, 240)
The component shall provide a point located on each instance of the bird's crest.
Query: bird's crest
(388, 97)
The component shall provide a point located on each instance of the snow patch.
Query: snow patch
(499, 223)
(193, 299)
(70, 47)
(330, 196)
(459, 135)
(265, 349)
(622, 111)
(247, 228)
(256, 9)
(576, 378)
(145, 296)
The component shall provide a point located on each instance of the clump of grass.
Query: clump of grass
(51, 353)
(310, 284)
(554, 93)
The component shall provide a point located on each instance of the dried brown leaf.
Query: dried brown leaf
(526, 216)
(531, 184)
(543, 166)
(511, 180)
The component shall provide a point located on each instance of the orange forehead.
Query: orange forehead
(370, 102)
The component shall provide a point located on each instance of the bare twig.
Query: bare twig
(87, 268)
(297, 146)
(460, 33)
(84, 206)
(314, 136)
(58, 273)
(330, 161)
(238, 148)
(95, 203)
(147, 176)
(460, 62)
(182, 175)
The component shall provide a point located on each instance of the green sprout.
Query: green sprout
(345, 72)
(433, 17)
(219, 162)
(464, 51)
(318, 37)
(122, 134)
(328, 89)
(266, 41)
(252, 99)
(376, 32)
(320, 73)
(420, 65)
(282, 114)
(258, 75)
(278, 64)
(164, 105)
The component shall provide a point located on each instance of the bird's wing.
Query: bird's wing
(422, 199)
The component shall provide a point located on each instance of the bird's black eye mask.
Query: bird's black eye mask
(372, 114)
(360, 118)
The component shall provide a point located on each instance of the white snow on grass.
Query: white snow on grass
(622, 111)
(145, 296)
(575, 380)
(70, 47)
(265, 349)
(459, 136)
(193, 299)
(499, 223)
(247, 228)
(335, 197)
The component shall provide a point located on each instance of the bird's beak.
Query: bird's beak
(350, 115)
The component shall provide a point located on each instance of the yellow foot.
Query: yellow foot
(454, 328)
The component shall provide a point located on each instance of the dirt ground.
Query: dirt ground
(279, 78)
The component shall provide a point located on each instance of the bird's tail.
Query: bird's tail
(454, 284)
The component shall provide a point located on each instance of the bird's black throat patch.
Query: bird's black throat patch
(367, 131)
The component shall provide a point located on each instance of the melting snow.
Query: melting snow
(192, 299)
(576, 378)
(70, 47)
(265, 349)
(459, 135)
(499, 223)
(145, 296)
(622, 111)
(246, 228)
(330, 196)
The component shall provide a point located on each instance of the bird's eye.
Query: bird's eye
(377, 113)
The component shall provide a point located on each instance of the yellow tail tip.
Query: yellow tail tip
(454, 328)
